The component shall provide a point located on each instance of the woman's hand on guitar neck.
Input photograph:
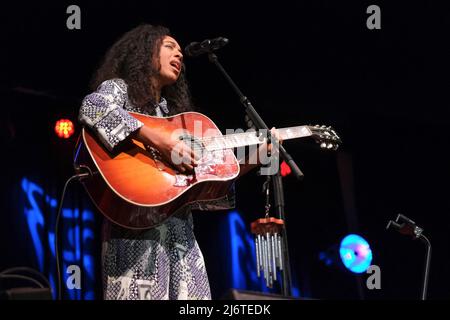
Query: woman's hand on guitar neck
(275, 133)
(267, 147)
(173, 150)
(253, 160)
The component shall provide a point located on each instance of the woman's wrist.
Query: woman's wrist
(146, 135)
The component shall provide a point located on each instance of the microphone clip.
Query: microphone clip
(405, 226)
(206, 46)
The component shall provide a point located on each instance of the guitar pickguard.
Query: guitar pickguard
(210, 165)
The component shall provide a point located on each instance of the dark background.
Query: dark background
(299, 62)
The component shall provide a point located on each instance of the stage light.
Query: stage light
(353, 253)
(64, 128)
(285, 170)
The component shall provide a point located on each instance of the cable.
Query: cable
(30, 270)
(17, 276)
(58, 215)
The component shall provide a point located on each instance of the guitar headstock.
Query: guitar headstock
(325, 136)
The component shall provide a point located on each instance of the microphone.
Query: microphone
(206, 46)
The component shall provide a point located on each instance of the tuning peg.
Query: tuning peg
(330, 146)
(323, 145)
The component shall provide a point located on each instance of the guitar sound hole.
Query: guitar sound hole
(195, 144)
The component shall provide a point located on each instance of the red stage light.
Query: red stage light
(64, 128)
(285, 170)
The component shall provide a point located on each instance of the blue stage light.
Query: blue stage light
(355, 253)
(76, 242)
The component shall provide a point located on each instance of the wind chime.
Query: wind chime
(268, 242)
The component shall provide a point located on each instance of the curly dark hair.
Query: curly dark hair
(130, 58)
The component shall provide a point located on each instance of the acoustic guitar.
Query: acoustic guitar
(134, 188)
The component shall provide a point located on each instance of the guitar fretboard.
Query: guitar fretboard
(243, 139)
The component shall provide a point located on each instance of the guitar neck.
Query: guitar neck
(243, 139)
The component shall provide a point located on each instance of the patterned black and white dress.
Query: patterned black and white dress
(164, 262)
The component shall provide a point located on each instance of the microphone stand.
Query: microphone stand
(276, 180)
(406, 226)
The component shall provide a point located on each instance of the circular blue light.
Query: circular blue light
(355, 253)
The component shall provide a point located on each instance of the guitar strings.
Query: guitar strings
(222, 141)
(229, 136)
